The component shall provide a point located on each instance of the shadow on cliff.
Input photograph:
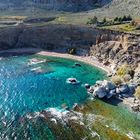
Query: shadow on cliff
(77, 6)
(7, 53)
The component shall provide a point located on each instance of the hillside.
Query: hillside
(98, 7)
(64, 5)
(70, 11)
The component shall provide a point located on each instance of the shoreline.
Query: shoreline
(86, 59)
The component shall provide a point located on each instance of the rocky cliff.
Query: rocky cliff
(51, 37)
(124, 48)
(108, 46)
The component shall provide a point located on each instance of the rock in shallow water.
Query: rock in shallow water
(108, 85)
(100, 92)
(124, 88)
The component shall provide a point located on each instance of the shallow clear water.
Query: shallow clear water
(24, 90)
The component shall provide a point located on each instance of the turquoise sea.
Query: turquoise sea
(27, 87)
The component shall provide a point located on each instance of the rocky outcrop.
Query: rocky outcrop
(109, 47)
(124, 48)
(52, 37)
(108, 89)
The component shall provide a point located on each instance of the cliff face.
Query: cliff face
(106, 45)
(122, 49)
(51, 37)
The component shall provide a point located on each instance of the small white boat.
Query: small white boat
(37, 70)
(36, 61)
(72, 81)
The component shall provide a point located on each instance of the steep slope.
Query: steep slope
(101, 8)
(66, 5)
(118, 8)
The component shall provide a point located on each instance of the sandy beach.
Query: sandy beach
(86, 59)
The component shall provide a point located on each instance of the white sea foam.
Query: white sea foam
(54, 120)
(130, 135)
(58, 112)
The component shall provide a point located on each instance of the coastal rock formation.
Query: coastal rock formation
(109, 89)
(123, 49)
(110, 47)
(52, 37)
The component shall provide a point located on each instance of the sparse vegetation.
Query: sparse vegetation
(117, 80)
(123, 19)
(108, 22)
(137, 27)
(137, 93)
(126, 72)
(93, 20)
(104, 20)
(72, 51)
(122, 70)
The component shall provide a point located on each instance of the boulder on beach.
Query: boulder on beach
(108, 85)
(109, 95)
(100, 92)
(99, 82)
(108, 89)
(113, 91)
(91, 89)
(118, 91)
(124, 88)
(132, 88)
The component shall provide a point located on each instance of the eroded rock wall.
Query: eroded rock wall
(52, 37)
(106, 45)
(124, 48)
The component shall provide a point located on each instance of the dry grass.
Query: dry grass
(137, 93)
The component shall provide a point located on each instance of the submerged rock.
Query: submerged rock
(77, 64)
(87, 86)
(72, 81)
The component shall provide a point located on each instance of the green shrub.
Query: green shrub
(116, 19)
(124, 18)
(104, 20)
(120, 19)
(125, 69)
(137, 27)
(72, 51)
(133, 23)
(137, 93)
(93, 20)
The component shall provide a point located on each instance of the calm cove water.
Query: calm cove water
(26, 88)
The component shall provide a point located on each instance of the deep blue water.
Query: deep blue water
(25, 90)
